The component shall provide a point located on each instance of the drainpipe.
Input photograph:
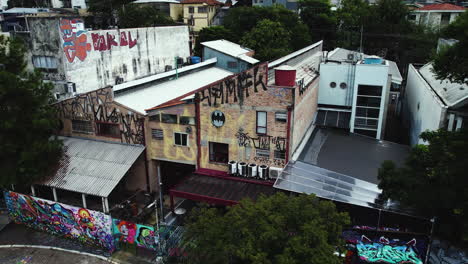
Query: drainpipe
(288, 133)
(197, 114)
(145, 153)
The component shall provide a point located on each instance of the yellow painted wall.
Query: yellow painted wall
(201, 19)
(176, 11)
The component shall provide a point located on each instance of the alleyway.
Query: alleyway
(44, 256)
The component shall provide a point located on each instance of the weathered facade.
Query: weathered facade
(78, 60)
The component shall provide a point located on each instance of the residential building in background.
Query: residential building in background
(431, 104)
(199, 13)
(289, 4)
(230, 56)
(436, 15)
(77, 60)
(170, 8)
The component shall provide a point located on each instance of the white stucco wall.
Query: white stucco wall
(3, 4)
(56, 3)
(431, 112)
(338, 73)
(433, 18)
(130, 54)
(80, 3)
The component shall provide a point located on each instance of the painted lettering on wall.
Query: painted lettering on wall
(263, 142)
(87, 226)
(383, 252)
(131, 233)
(98, 106)
(75, 44)
(103, 42)
(236, 88)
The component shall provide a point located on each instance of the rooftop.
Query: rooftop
(208, 2)
(441, 7)
(93, 167)
(230, 48)
(349, 154)
(24, 10)
(452, 94)
(155, 1)
(153, 95)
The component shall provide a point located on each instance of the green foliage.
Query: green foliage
(434, 181)
(452, 62)
(269, 40)
(27, 120)
(275, 229)
(131, 16)
(212, 33)
(242, 20)
(320, 20)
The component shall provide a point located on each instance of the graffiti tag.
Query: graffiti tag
(74, 37)
(377, 252)
(103, 42)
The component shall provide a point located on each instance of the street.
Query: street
(44, 256)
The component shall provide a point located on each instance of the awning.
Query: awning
(214, 190)
(93, 167)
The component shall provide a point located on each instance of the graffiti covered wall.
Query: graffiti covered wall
(87, 226)
(131, 233)
(99, 106)
(235, 102)
(385, 253)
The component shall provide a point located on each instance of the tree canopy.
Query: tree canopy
(212, 33)
(320, 20)
(275, 229)
(132, 15)
(452, 62)
(27, 120)
(433, 181)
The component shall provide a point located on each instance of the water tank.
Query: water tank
(263, 172)
(373, 60)
(242, 169)
(232, 167)
(252, 170)
(285, 75)
(195, 59)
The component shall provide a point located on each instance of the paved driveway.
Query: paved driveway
(44, 256)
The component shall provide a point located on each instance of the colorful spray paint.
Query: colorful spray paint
(131, 233)
(384, 252)
(87, 226)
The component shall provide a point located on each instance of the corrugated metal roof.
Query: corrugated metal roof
(93, 167)
(230, 48)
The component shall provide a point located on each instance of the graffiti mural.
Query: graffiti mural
(75, 43)
(260, 142)
(103, 42)
(236, 88)
(387, 253)
(131, 233)
(87, 226)
(99, 106)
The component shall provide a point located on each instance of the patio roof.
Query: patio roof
(93, 167)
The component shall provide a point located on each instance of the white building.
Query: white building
(431, 104)
(436, 15)
(354, 91)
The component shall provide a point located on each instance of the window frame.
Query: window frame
(181, 133)
(89, 123)
(153, 134)
(261, 153)
(192, 9)
(98, 133)
(211, 146)
(152, 118)
(204, 10)
(279, 154)
(191, 120)
(266, 123)
(176, 118)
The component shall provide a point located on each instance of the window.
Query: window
(171, 119)
(191, 9)
(280, 154)
(264, 153)
(343, 85)
(370, 90)
(219, 152)
(232, 64)
(445, 19)
(82, 126)
(202, 9)
(108, 129)
(45, 62)
(261, 122)
(187, 120)
(181, 139)
(333, 84)
(155, 118)
(157, 134)
(281, 117)
(412, 17)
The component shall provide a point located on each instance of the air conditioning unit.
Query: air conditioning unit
(274, 172)
(252, 170)
(180, 61)
(167, 68)
(242, 169)
(232, 167)
(263, 172)
(351, 56)
(70, 87)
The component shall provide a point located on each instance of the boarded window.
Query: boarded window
(82, 126)
(171, 119)
(262, 153)
(280, 154)
(187, 120)
(261, 122)
(180, 139)
(108, 129)
(157, 134)
(45, 62)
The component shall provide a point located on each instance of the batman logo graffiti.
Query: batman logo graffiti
(218, 118)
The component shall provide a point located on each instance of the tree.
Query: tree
(27, 120)
(131, 16)
(452, 62)
(105, 12)
(275, 229)
(433, 181)
(320, 20)
(212, 33)
(269, 39)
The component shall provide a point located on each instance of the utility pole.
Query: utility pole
(360, 44)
